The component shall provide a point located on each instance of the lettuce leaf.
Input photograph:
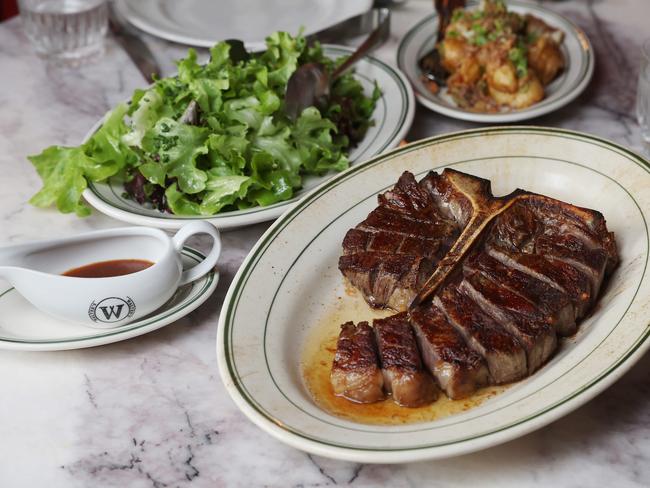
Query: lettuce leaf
(222, 191)
(146, 114)
(65, 170)
(178, 147)
(62, 172)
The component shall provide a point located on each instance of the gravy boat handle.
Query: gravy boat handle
(210, 260)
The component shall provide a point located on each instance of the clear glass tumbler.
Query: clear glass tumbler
(65, 29)
(643, 93)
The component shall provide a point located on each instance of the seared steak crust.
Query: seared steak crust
(515, 314)
(554, 304)
(553, 272)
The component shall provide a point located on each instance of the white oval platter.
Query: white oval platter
(290, 282)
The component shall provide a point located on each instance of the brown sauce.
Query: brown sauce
(106, 269)
(317, 362)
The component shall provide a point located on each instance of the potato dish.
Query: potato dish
(498, 60)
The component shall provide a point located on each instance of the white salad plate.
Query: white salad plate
(392, 117)
(25, 328)
(577, 50)
(204, 22)
(289, 286)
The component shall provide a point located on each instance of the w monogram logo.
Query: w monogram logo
(111, 309)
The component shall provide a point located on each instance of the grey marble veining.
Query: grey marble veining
(152, 412)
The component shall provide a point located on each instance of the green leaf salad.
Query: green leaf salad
(214, 137)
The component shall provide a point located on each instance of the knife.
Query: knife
(353, 26)
(135, 47)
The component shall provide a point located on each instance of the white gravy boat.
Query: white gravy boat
(35, 270)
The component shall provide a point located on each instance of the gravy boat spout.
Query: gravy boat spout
(11, 257)
(36, 270)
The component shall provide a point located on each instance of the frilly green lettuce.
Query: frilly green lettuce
(238, 150)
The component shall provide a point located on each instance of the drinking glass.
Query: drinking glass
(643, 93)
(65, 29)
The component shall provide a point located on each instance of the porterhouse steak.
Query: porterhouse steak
(483, 285)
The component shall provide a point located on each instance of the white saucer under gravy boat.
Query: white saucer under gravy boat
(36, 270)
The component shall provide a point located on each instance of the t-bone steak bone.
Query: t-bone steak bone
(488, 283)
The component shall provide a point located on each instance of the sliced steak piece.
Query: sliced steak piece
(459, 370)
(553, 303)
(583, 223)
(404, 376)
(358, 240)
(555, 273)
(385, 279)
(505, 358)
(387, 241)
(573, 251)
(355, 370)
(517, 315)
(541, 225)
(428, 248)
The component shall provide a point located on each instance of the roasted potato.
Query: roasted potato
(529, 91)
(545, 57)
(502, 77)
(452, 53)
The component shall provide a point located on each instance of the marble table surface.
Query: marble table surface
(152, 411)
